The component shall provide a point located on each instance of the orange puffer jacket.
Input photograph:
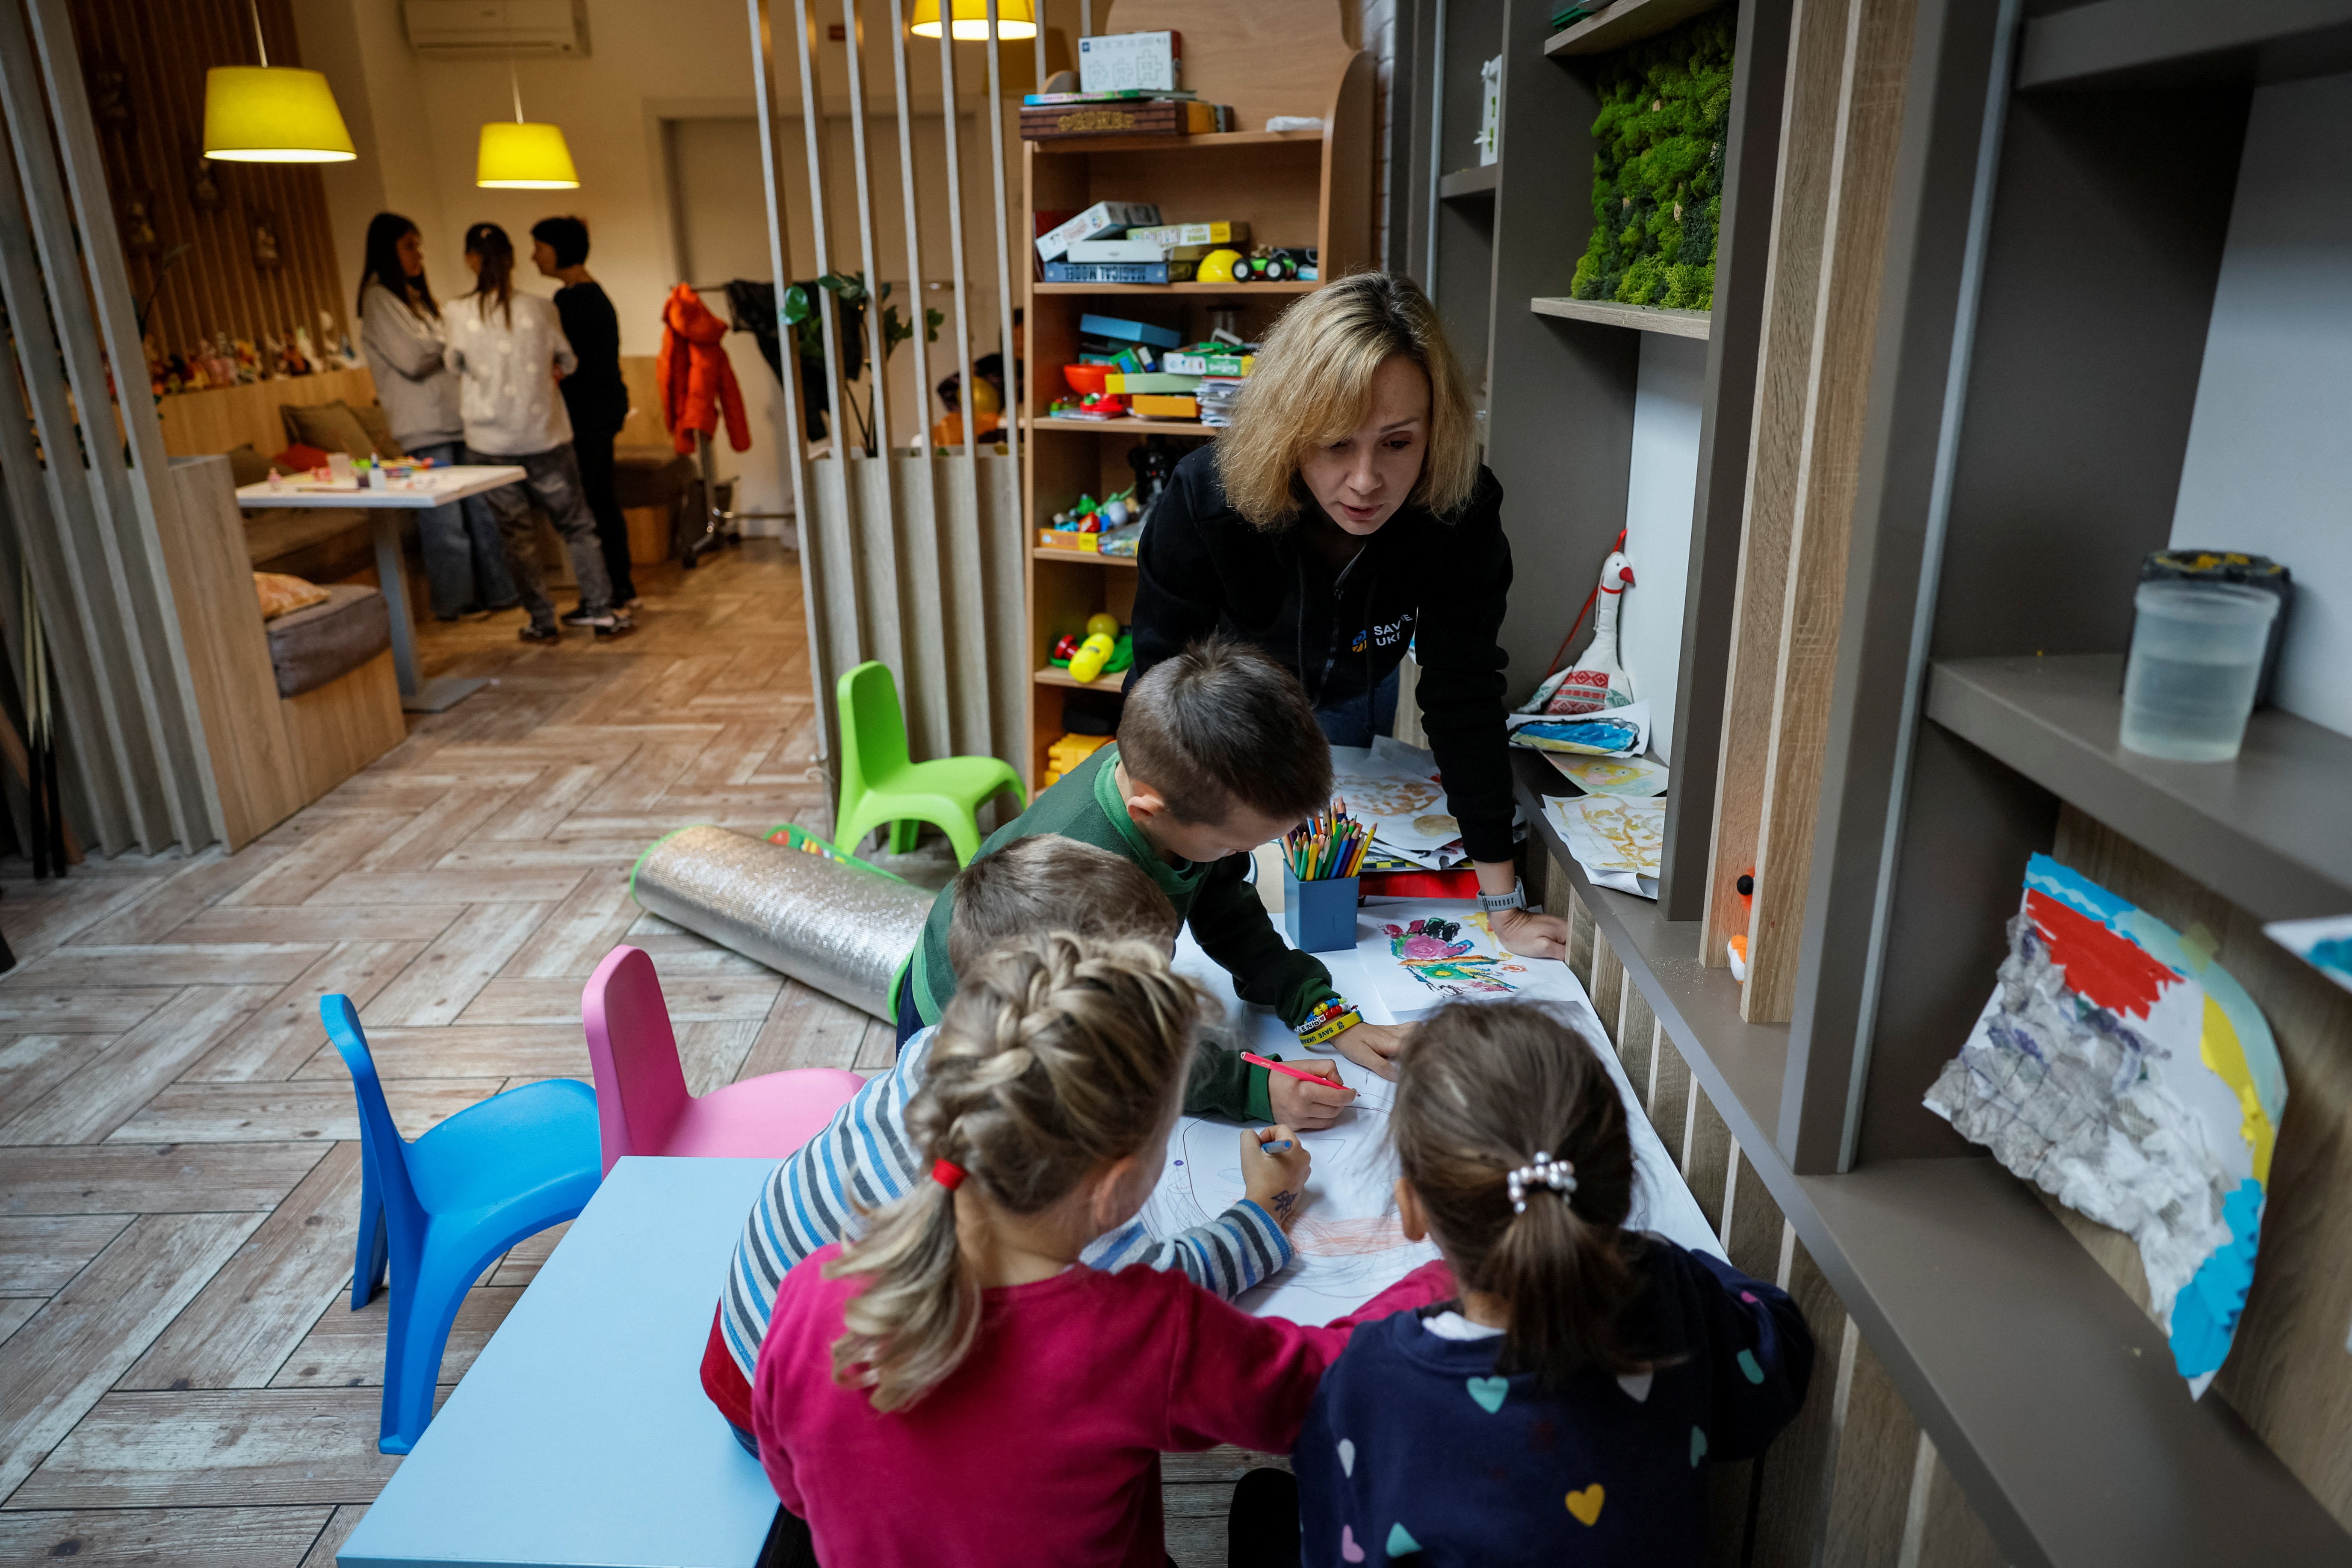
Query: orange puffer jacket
(697, 381)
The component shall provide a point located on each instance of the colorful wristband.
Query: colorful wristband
(1332, 1016)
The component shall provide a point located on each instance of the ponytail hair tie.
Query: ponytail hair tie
(947, 1173)
(1560, 1175)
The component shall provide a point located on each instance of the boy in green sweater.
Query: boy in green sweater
(1218, 753)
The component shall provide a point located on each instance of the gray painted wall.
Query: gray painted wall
(2269, 466)
(1658, 500)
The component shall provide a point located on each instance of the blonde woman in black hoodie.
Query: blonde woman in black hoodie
(1343, 515)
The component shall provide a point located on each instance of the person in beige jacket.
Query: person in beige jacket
(400, 333)
(508, 351)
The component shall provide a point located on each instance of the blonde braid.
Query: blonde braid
(1058, 1054)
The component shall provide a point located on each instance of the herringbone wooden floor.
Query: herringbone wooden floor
(179, 1170)
(179, 1165)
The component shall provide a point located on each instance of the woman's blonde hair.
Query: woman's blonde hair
(1313, 384)
(1058, 1054)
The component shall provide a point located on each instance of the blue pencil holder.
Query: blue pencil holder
(1320, 916)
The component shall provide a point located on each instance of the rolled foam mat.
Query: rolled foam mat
(834, 927)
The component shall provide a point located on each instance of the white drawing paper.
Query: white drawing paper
(1349, 1244)
(1392, 789)
(1617, 841)
(1635, 778)
(1611, 732)
(2325, 944)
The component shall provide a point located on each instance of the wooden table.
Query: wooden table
(581, 1434)
(436, 487)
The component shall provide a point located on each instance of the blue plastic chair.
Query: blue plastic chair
(438, 1210)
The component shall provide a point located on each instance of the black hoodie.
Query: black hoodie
(1440, 586)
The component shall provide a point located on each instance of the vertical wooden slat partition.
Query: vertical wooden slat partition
(88, 511)
(910, 555)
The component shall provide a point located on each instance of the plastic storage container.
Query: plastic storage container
(2195, 658)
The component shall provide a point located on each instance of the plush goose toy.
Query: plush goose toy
(1596, 680)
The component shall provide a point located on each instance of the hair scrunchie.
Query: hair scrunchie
(1560, 1175)
(948, 1174)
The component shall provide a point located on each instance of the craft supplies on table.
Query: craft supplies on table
(1320, 860)
(1351, 1246)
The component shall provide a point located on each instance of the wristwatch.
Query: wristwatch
(1516, 899)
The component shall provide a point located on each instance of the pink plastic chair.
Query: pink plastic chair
(641, 1098)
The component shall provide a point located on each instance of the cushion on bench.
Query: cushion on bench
(311, 648)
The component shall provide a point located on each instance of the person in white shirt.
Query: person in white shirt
(509, 350)
(400, 333)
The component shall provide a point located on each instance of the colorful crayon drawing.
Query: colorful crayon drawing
(1429, 952)
(2122, 1071)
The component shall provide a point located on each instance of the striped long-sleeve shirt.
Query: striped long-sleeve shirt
(864, 1158)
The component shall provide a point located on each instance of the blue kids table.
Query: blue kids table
(581, 1437)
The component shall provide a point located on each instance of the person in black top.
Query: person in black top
(1342, 516)
(599, 403)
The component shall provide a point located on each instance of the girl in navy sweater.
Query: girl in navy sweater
(1564, 1407)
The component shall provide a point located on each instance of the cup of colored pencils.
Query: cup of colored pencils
(1320, 859)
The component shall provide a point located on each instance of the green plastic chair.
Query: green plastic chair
(879, 785)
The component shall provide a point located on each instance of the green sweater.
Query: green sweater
(1227, 918)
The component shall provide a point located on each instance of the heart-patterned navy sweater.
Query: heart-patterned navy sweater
(1416, 1450)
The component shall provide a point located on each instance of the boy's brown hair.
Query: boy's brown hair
(1221, 724)
(1051, 883)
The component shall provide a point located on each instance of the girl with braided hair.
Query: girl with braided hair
(1563, 1408)
(954, 1385)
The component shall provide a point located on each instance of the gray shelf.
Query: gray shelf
(1470, 184)
(1626, 22)
(2272, 831)
(1640, 317)
(2115, 43)
(2050, 1395)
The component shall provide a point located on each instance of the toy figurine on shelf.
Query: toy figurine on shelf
(1103, 649)
(249, 363)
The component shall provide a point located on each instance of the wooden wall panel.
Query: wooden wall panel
(199, 424)
(2287, 1374)
(1845, 340)
(144, 66)
(1784, 357)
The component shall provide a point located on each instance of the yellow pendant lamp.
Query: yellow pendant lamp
(526, 155)
(272, 114)
(969, 23)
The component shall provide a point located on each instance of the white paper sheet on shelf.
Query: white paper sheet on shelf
(1349, 1243)
(1616, 841)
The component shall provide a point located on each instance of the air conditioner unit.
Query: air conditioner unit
(476, 29)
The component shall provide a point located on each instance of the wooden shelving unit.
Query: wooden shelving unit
(1609, 314)
(1299, 187)
(2272, 831)
(1626, 22)
(1083, 557)
(1120, 427)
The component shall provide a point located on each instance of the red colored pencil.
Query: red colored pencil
(1256, 1060)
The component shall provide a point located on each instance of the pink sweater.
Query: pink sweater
(1044, 1446)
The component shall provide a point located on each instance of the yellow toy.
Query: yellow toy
(1102, 624)
(1092, 655)
(1217, 267)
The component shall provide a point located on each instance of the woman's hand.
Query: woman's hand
(1309, 1105)
(1275, 1178)
(1373, 1046)
(1530, 935)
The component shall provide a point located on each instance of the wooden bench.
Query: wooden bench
(581, 1434)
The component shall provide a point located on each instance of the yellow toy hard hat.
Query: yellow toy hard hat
(1217, 267)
